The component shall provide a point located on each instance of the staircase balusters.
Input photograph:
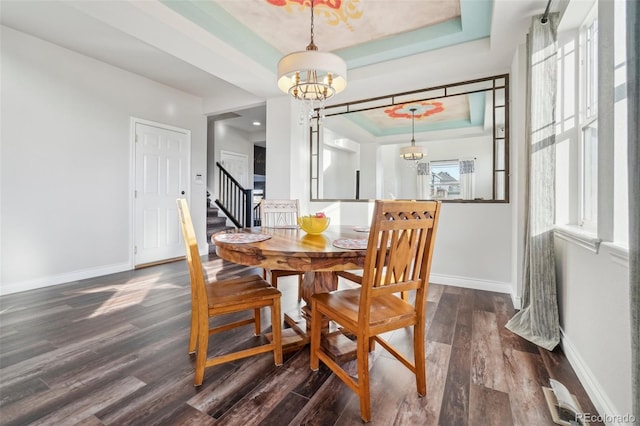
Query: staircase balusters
(234, 200)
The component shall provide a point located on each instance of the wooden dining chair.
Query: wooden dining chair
(209, 299)
(398, 260)
(280, 214)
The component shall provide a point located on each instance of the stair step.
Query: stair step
(212, 211)
(216, 221)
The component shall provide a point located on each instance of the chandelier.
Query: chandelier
(312, 76)
(412, 152)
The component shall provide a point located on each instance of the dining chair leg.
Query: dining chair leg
(276, 327)
(257, 322)
(363, 379)
(193, 334)
(316, 324)
(420, 363)
(201, 355)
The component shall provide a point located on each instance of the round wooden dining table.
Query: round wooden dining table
(295, 250)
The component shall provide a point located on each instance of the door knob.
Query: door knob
(182, 192)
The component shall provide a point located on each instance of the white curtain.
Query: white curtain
(633, 158)
(467, 179)
(424, 181)
(538, 321)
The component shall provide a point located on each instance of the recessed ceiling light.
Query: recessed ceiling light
(256, 123)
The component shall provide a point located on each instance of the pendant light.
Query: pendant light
(312, 76)
(413, 152)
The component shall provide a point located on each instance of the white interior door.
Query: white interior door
(237, 165)
(162, 156)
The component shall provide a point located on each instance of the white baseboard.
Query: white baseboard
(601, 401)
(63, 278)
(474, 283)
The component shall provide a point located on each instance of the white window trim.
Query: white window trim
(573, 234)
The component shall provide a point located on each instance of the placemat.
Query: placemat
(351, 243)
(241, 238)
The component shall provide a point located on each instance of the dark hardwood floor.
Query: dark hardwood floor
(113, 350)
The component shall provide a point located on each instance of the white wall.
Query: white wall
(287, 146)
(339, 162)
(389, 169)
(473, 247)
(371, 180)
(67, 160)
(230, 139)
(593, 298)
(339, 176)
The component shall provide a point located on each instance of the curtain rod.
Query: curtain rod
(545, 16)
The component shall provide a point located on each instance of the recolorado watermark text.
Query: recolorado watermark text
(607, 418)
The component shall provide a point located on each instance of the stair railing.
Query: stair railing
(233, 199)
(257, 221)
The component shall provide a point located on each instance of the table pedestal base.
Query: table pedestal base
(339, 347)
(291, 340)
(298, 322)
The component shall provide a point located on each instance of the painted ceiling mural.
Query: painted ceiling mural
(422, 110)
(362, 32)
(455, 112)
(338, 23)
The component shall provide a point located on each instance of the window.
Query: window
(589, 123)
(589, 175)
(566, 123)
(590, 35)
(445, 179)
(591, 126)
(577, 126)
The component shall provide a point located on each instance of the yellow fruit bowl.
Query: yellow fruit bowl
(313, 225)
